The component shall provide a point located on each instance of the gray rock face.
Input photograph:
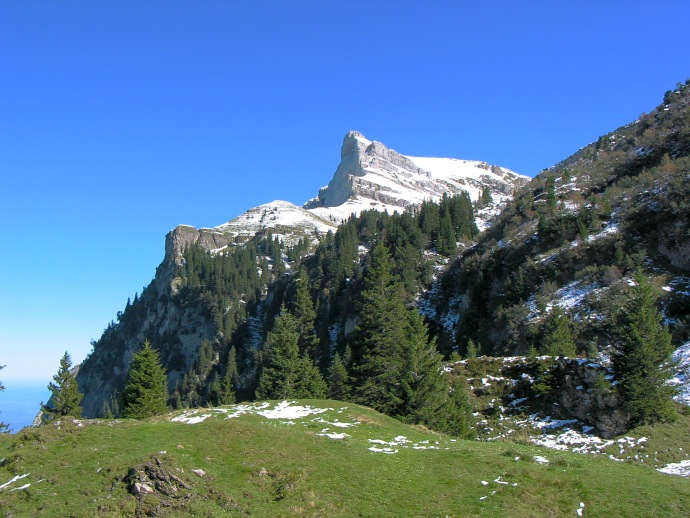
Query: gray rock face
(183, 235)
(584, 393)
(357, 155)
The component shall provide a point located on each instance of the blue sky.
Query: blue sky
(120, 120)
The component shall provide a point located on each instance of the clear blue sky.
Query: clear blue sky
(120, 120)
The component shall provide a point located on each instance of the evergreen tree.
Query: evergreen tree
(471, 350)
(4, 427)
(305, 314)
(380, 338)
(286, 373)
(230, 379)
(456, 417)
(144, 394)
(551, 199)
(424, 386)
(65, 397)
(215, 391)
(558, 335)
(486, 197)
(338, 380)
(641, 362)
(446, 243)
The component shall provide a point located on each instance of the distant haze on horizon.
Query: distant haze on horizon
(120, 121)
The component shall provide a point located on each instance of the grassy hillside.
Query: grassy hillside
(323, 458)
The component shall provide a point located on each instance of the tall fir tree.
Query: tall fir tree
(642, 358)
(338, 380)
(424, 387)
(65, 397)
(456, 417)
(558, 335)
(145, 392)
(305, 314)
(446, 240)
(380, 338)
(4, 427)
(286, 373)
(230, 380)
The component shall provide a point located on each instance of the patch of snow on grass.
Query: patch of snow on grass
(285, 410)
(681, 468)
(382, 450)
(13, 480)
(334, 435)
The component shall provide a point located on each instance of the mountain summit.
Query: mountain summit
(373, 176)
(369, 176)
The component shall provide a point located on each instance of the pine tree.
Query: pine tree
(380, 338)
(456, 417)
(286, 373)
(305, 314)
(551, 199)
(424, 386)
(471, 350)
(338, 380)
(4, 427)
(446, 240)
(558, 335)
(641, 362)
(65, 397)
(230, 379)
(486, 197)
(144, 394)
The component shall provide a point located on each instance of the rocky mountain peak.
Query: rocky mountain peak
(370, 176)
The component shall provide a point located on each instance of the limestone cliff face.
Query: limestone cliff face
(183, 235)
(359, 157)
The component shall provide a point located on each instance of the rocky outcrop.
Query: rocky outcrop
(358, 157)
(585, 391)
(183, 235)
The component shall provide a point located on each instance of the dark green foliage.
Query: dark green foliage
(445, 239)
(380, 337)
(286, 373)
(230, 381)
(485, 198)
(551, 199)
(65, 397)
(145, 391)
(641, 362)
(456, 416)
(558, 335)
(424, 388)
(338, 380)
(305, 314)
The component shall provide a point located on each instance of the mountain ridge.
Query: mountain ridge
(370, 176)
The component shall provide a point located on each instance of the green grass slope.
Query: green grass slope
(314, 458)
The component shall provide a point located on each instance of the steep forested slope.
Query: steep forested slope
(575, 235)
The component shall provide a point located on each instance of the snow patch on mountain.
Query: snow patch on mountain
(284, 219)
